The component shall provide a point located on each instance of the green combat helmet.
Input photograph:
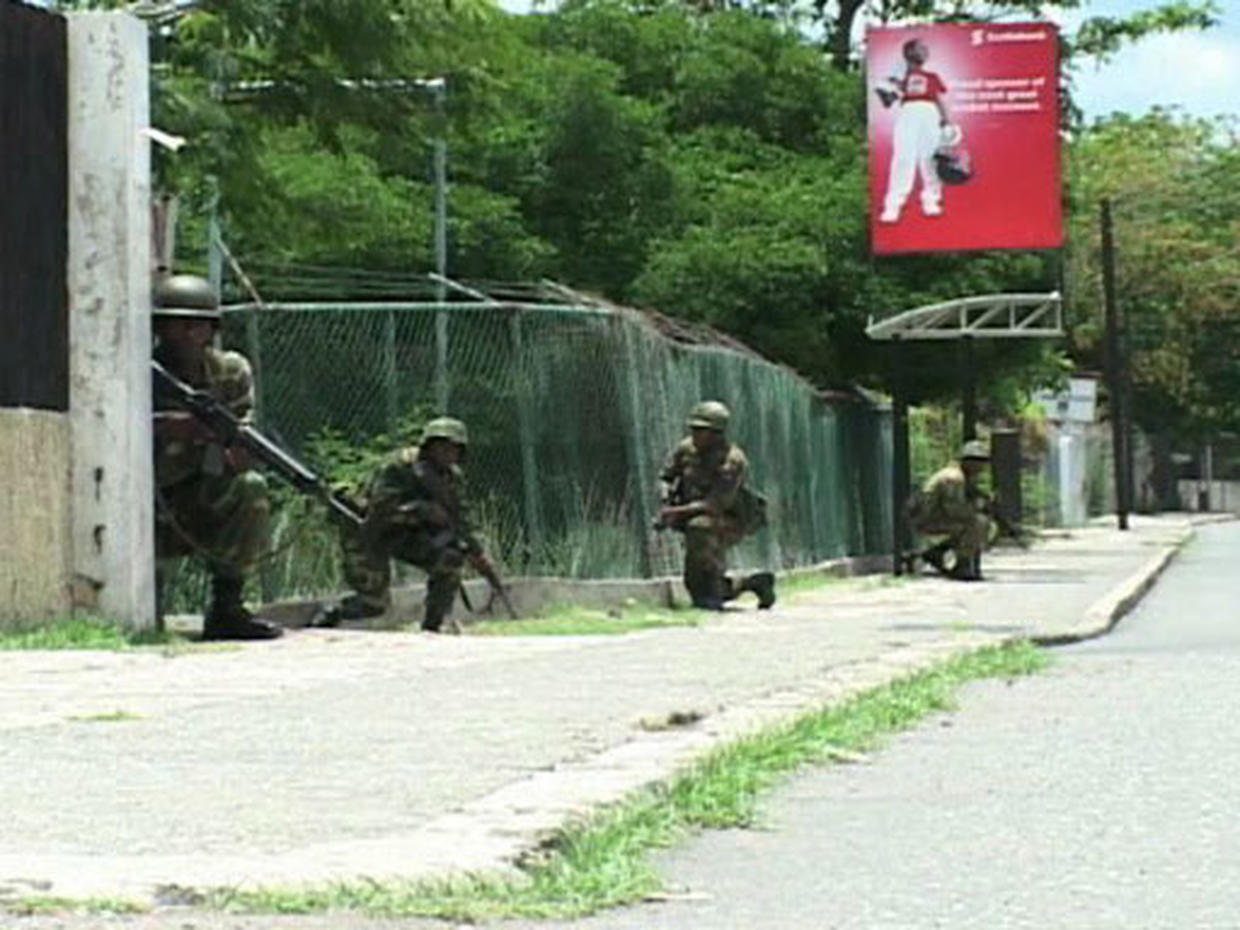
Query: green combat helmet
(185, 296)
(448, 428)
(975, 449)
(710, 414)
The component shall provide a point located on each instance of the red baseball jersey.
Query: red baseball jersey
(922, 85)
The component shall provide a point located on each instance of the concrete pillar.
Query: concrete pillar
(109, 283)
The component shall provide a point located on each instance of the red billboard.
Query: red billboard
(964, 137)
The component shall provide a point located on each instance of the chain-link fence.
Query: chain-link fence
(571, 409)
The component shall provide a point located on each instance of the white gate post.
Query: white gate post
(109, 284)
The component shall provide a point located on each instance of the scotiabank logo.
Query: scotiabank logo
(978, 36)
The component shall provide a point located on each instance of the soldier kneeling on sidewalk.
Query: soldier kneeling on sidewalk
(704, 497)
(415, 511)
(209, 503)
(948, 505)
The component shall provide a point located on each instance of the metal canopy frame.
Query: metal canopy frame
(992, 316)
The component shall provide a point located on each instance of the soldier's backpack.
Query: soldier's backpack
(750, 510)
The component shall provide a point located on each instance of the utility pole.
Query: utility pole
(968, 407)
(1115, 365)
(438, 87)
(901, 541)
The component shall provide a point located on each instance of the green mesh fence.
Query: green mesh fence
(571, 412)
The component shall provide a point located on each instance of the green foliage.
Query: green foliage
(347, 462)
(1100, 37)
(83, 632)
(572, 620)
(703, 159)
(934, 440)
(1177, 227)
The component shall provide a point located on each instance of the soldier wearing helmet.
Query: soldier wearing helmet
(948, 506)
(703, 494)
(415, 512)
(209, 503)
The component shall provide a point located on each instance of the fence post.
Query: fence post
(640, 468)
(391, 379)
(254, 352)
(215, 255)
(529, 467)
(900, 481)
(771, 551)
(441, 359)
(1115, 366)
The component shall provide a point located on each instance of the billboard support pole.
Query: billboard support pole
(968, 406)
(1114, 365)
(900, 541)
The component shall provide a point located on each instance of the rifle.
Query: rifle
(232, 431)
(989, 506)
(672, 495)
(446, 539)
(487, 571)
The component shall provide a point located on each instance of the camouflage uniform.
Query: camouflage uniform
(208, 504)
(712, 478)
(399, 524)
(206, 507)
(948, 506)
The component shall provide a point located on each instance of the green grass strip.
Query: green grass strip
(603, 862)
(36, 906)
(584, 621)
(84, 633)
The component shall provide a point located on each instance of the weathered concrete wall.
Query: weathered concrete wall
(109, 284)
(34, 516)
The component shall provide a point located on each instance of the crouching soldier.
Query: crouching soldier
(209, 504)
(415, 511)
(705, 498)
(949, 505)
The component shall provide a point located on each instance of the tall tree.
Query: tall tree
(1175, 187)
(1097, 36)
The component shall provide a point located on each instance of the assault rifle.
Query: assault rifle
(987, 505)
(232, 431)
(447, 539)
(672, 496)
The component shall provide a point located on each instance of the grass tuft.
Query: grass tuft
(115, 716)
(603, 862)
(84, 633)
(584, 621)
(36, 906)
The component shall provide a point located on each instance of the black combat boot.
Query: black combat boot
(934, 557)
(763, 585)
(354, 607)
(967, 569)
(440, 596)
(228, 618)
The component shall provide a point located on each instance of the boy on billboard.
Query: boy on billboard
(921, 128)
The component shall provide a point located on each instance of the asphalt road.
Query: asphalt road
(1099, 794)
(1104, 793)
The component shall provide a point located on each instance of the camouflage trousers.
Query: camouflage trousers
(966, 533)
(224, 520)
(707, 541)
(367, 566)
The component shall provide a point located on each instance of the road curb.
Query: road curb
(1103, 615)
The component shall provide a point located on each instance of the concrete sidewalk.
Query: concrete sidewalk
(332, 754)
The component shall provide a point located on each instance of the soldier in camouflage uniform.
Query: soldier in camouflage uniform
(949, 505)
(209, 503)
(701, 488)
(415, 512)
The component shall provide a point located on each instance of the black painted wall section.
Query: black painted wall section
(34, 319)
